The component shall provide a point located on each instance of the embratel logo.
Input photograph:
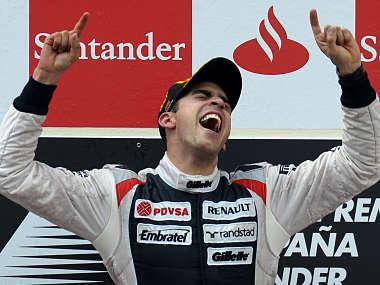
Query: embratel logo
(271, 53)
(163, 211)
(237, 232)
(167, 234)
(229, 255)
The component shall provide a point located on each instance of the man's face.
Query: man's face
(203, 119)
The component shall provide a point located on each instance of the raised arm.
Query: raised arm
(79, 202)
(313, 189)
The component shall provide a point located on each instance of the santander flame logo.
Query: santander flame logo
(272, 53)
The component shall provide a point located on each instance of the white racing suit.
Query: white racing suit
(162, 225)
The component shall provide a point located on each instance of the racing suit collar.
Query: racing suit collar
(185, 182)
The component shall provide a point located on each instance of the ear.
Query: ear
(167, 120)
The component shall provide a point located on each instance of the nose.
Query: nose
(217, 101)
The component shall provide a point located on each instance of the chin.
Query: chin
(206, 145)
(208, 148)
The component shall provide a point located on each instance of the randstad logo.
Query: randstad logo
(272, 52)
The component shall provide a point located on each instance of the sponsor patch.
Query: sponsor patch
(163, 211)
(334, 149)
(237, 232)
(199, 184)
(229, 255)
(224, 210)
(286, 169)
(164, 234)
(82, 173)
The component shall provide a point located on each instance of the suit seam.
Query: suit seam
(7, 141)
(110, 212)
(374, 141)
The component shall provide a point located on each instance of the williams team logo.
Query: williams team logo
(224, 210)
(237, 232)
(163, 211)
(167, 234)
(229, 255)
(272, 52)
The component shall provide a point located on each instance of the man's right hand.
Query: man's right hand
(60, 51)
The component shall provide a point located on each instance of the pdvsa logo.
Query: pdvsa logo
(144, 208)
(272, 52)
(163, 211)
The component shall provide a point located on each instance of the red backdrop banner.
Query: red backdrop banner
(368, 35)
(131, 52)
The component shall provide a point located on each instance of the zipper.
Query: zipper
(200, 239)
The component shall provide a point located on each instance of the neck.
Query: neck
(193, 163)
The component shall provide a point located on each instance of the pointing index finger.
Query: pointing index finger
(80, 25)
(314, 22)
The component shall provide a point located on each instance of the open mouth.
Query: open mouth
(212, 122)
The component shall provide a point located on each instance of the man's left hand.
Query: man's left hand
(338, 44)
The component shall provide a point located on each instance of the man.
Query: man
(186, 222)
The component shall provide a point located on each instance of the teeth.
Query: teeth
(211, 116)
(212, 121)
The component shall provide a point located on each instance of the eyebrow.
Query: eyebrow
(209, 94)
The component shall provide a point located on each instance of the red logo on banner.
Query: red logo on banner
(131, 52)
(271, 54)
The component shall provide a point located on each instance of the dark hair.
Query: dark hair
(174, 109)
